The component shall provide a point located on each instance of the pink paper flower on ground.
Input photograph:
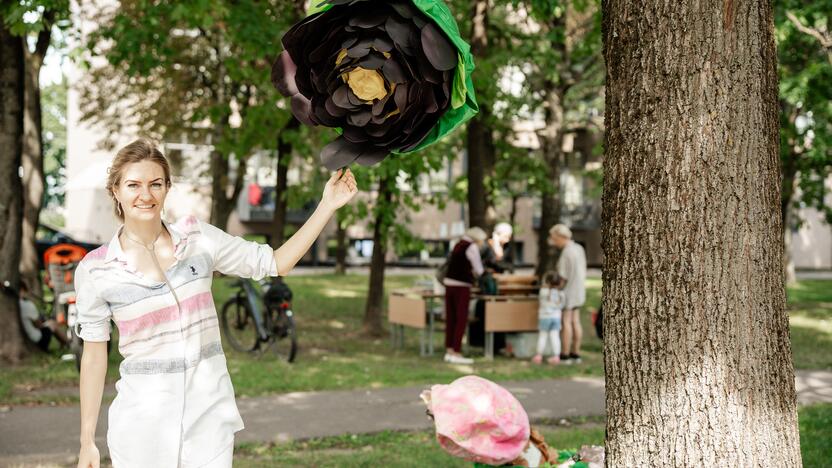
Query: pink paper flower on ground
(478, 420)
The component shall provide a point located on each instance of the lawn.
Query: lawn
(419, 449)
(335, 355)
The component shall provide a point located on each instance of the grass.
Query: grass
(816, 435)
(419, 449)
(334, 354)
(400, 449)
(810, 317)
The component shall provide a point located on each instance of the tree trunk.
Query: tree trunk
(12, 348)
(375, 295)
(220, 207)
(480, 139)
(281, 193)
(341, 248)
(32, 160)
(551, 138)
(696, 336)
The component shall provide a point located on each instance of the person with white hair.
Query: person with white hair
(493, 253)
(464, 266)
(572, 266)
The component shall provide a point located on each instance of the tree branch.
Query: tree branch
(822, 36)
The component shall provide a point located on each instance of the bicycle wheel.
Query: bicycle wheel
(283, 340)
(238, 325)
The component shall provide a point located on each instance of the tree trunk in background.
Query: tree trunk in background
(12, 348)
(284, 158)
(341, 248)
(696, 336)
(375, 296)
(480, 139)
(32, 159)
(551, 140)
(220, 206)
(788, 163)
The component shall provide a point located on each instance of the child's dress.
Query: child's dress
(550, 310)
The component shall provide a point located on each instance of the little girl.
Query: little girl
(552, 300)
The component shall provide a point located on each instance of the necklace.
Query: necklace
(152, 247)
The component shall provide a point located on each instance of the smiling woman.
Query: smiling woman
(175, 403)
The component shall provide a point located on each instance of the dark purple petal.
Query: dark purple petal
(382, 44)
(438, 48)
(340, 153)
(368, 18)
(283, 74)
(405, 9)
(373, 61)
(393, 72)
(372, 157)
(333, 109)
(360, 49)
(355, 134)
(359, 118)
(400, 96)
(302, 110)
(400, 33)
(354, 100)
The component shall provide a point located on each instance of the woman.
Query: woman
(175, 403)
(464, 266)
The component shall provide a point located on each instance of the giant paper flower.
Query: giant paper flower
(392, 76)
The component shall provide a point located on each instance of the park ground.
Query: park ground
(335, 355)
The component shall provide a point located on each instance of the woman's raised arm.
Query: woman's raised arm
(337, 193)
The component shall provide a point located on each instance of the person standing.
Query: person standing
(175, 404)
(571, 265)
(464, 266)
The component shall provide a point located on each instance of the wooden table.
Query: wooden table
(412, 308)
(508, 313)
(513, 310)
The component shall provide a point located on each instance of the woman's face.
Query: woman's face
(142, 191)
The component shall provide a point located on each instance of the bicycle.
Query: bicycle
(248, 329)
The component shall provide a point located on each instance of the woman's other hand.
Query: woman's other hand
(339, 189)
(89, 457)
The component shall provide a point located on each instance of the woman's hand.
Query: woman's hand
(89, 457)
(339, 190)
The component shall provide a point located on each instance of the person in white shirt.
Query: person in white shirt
(175, 403)
(38, 329)
(551, 300)
(571, 265)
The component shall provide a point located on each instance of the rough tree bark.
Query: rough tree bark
(480, 138)
(696, 336)
(375, 296)
(12, 348)
(32, 158)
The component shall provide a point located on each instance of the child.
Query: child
(552, 300)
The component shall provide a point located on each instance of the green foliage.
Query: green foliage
(805, 68)
(186, 68)
(25, 17)
(53, 104)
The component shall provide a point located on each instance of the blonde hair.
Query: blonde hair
(140, 150)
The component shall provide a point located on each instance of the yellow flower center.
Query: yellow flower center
(366, 84)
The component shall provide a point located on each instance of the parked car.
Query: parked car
(48, 235)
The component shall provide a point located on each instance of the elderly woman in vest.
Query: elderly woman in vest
(464, 267)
